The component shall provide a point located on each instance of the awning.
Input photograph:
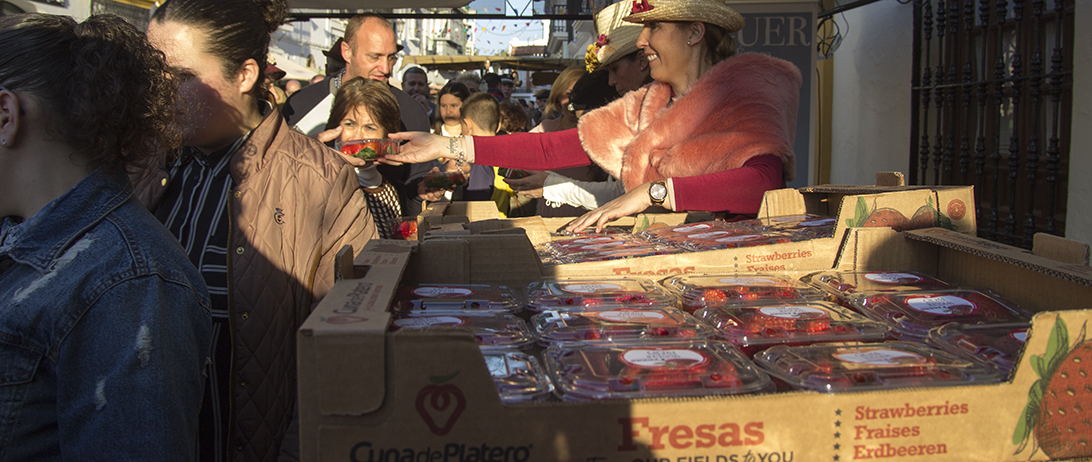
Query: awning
(458, 63)
(292, 70)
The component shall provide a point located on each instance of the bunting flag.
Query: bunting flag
(502, 28)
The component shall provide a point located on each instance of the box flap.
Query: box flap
(1081, 274)
(1060, 249)
(782, 202)
(342, 336)
(890, 179)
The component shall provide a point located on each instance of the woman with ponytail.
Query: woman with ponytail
(104, 322)
(262, 210)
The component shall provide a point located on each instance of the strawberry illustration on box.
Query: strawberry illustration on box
(926, 216)
(1059, 407)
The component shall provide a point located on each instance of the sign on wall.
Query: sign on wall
(788, 31)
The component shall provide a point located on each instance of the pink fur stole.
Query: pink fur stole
(743, 107)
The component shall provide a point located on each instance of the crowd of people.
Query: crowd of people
(169, 222)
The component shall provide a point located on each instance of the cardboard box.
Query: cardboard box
(853, 206)
(366, 395)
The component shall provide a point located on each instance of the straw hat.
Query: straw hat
(710, 11)
(616, 37)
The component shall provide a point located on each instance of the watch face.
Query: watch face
(658, 191)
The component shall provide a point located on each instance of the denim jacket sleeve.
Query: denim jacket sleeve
(130, 374)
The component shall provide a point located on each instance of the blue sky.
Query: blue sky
(498, 33)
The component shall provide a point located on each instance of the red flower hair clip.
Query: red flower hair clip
(640, 7)
(603, 40)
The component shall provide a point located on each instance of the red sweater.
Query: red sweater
(736, 191)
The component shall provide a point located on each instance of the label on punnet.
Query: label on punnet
(670, 358)
(427, 321)
(793, 312)
(941, 305)
(745, 281)
(892, 278)
(879, 357)
(442, 292)
(639, 316)
(590, 288)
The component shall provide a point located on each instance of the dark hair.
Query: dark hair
(592, 91)
(372, 95)
(512, 118)
(719, 43)
(414, 70)
(492, 80)
(483, 109)
(456, 89)
(105, 90)
(235, 30)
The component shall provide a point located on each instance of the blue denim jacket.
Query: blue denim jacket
(104, 332)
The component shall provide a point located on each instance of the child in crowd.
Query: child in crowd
(480, 116)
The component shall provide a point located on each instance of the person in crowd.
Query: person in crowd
(616, 50)
(492, 85)
(471, 79)
(479, 114)
(615, 67)
(540, 104)
(335, 63)
(451, 97)
(105, 323)
(507, 86)
(713, 132)
(291, 87)
(557, 117)
(262, 211)
(590, 92)
(370, 51)
(366, 109)
(512, 118)
(415, 84)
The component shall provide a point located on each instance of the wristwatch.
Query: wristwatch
(657, 191)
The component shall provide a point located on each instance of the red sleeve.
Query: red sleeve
(737, 191)
(531, 151)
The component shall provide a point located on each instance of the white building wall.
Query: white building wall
(871, 100)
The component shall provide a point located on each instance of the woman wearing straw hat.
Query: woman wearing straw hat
(616, 50)
(713, 132)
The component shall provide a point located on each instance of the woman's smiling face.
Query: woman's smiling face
(664, 44)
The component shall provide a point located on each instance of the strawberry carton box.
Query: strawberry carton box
(848, 206)
(369, 394)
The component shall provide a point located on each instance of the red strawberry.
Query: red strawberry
(1065, 413)
(1059, 409)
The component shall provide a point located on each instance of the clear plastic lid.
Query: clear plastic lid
(678, 235)
(645, 324)
(368, 149)
(493, 330)
(808, 226)
(590, 243)
(912, 314)
(579, 293)
(804, 321)
(444, 180)
(634, 251)
(455, 297)
(735, 241)
(844, 283)
(714, 291)
(862, 367)
(518, 376)
(677, 369)
(998, 345)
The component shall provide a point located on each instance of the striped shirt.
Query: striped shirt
(195, 210)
